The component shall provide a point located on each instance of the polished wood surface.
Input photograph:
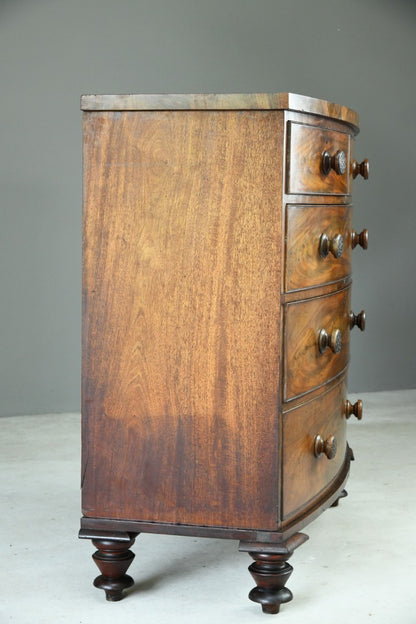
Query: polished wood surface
(359, 239)
(305, 367)
(355, 409)
(182, 239)
(216, 317)
(306, 145)
(113, 559)
(271, 571)
(362, 169)
(222, 101)
(305, 224)
(304, 474)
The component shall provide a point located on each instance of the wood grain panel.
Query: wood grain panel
(305, 267)
(181, 275)
(305, 147)
(304, 475)
(304, 366)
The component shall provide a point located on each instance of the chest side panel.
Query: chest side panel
(181, 282)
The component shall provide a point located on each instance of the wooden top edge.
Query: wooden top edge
(215, 101)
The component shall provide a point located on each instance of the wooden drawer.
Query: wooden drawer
(306, 145)
(304, 474)
(306, 262)
(305, 366)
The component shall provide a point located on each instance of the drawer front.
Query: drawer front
(305, 475)
(318, 245)
(307, 364)
(306, 146)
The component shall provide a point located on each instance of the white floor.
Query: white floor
(358, 566)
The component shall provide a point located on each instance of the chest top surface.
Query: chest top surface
(221, 101)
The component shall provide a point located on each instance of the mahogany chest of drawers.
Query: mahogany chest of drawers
(217, 238)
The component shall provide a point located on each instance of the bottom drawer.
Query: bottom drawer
(305, 472)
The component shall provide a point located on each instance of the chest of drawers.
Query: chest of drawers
(217, 238)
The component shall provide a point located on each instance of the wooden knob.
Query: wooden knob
(362, 169)
(337, 162)
(335, 245)
(326, 447)
(357, 320)
(359, 239)
(356, 409)
(333, 340)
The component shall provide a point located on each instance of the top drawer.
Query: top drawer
(318, 161)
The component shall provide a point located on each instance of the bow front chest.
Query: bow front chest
(217, 241)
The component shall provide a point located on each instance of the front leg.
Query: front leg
(270, 571)
(343, 494)
(113, 558)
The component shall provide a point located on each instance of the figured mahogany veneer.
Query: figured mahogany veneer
(305, 475)
(305, 367)
(305, 225)
(217, 242)
(306, 146)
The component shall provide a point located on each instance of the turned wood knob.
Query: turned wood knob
(356, 409)
(357, 320)
(326, 447)
(359, 239)
(362, 169)
(337, 162)
(333, 340)
(335, 245)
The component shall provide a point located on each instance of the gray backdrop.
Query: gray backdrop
(355, 52)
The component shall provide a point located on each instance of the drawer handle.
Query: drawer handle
(362, 169)
(337, 162)
(355, 409)
(357, 320)
(326, 447)
(334, 245)
(334, 340)
(359, 239)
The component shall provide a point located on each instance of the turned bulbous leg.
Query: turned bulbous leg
(271, 571)
(113, 558)
(343, 494)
